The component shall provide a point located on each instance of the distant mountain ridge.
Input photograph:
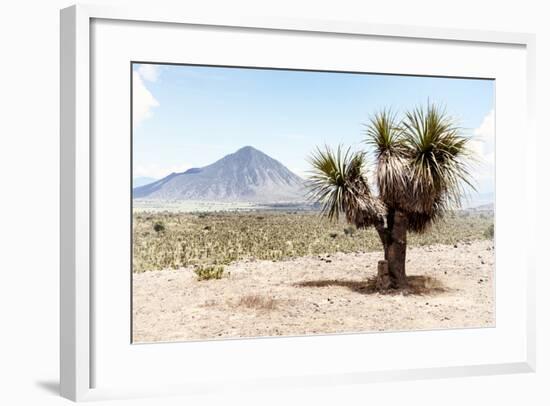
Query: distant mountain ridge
(489, 207)
(245, 175)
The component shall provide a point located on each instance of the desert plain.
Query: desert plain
(292, 273)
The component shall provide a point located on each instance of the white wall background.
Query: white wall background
(29, 203)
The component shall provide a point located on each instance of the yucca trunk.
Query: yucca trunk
(397, 250)
(394, 240)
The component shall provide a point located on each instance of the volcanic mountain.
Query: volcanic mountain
(245, 175)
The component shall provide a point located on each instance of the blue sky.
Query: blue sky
(190, 116)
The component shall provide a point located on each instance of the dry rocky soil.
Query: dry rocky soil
(451, 286)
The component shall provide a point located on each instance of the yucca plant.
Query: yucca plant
(421, 169)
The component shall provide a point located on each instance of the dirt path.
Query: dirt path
(452, 288)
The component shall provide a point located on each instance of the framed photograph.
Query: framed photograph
(268, 203)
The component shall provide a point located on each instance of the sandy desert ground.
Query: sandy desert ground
(451, 287)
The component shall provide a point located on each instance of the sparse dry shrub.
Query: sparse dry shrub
(490, 232)
(349, 230)
(279, 236)
(257, 302)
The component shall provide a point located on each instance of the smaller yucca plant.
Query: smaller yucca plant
(159, 227)
(209, 272)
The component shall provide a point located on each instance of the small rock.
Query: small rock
(456, 245)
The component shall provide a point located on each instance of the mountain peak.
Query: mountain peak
(245, 175)
(248, 149)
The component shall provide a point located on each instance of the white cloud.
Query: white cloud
(143, 100)
(486, 131)
(483, 145)
(149, 72)
(483, 142)
(485, 134)
(158, 171)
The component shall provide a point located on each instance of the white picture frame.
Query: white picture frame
(77, 217)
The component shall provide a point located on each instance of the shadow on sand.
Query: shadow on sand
(417, 285)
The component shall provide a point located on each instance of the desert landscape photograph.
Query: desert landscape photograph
(276, 202)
